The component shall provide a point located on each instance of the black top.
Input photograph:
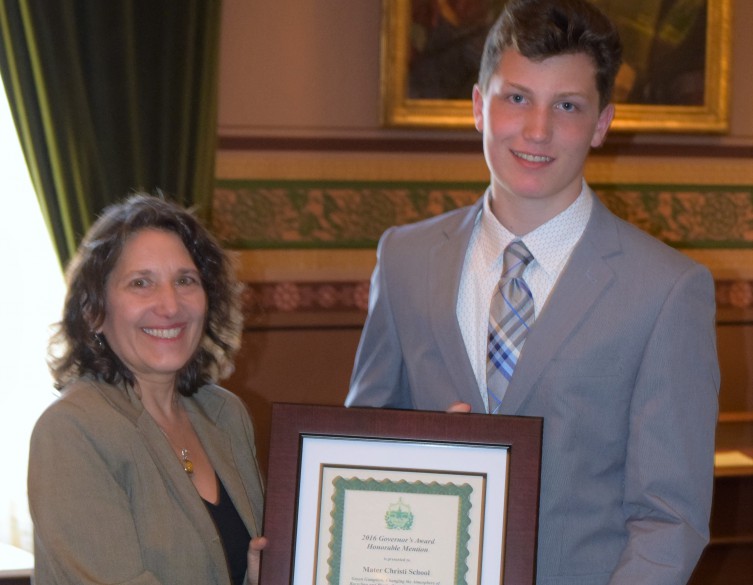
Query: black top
(233, 534)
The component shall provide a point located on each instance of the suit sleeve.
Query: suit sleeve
(84, 530)
(669, 468)
(378, 378)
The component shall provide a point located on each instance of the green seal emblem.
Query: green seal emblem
(399, 516)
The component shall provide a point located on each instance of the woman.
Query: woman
(144, 471)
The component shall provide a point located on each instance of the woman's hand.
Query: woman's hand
(255, 547)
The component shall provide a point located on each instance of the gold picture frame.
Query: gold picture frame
(709, 113)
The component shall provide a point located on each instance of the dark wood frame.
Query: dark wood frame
(291, 422)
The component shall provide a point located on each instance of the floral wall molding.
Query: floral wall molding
(275, 298)
(291, 297)
(294, 214)
(734, 294)
(336, 215)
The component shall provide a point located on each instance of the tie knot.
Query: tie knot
(515, 258)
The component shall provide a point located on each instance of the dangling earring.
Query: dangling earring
(100, 341)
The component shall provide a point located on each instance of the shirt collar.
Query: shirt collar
(551, 243)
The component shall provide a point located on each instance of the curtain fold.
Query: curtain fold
(110, 97)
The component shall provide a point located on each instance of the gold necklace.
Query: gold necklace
(187, 463)
(184, 454)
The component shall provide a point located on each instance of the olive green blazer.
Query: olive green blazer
(110, 500)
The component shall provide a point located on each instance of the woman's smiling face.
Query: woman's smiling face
(155, 306)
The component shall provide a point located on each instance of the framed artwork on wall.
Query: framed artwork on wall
(674, 78)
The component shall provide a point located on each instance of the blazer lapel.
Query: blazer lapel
(180, 485)
(583, 280)
(124, 400)
(175, 479)
(217, 444)
(446, 266)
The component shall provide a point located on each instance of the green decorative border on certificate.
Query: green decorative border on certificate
(342, 485)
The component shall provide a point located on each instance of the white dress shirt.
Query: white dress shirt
(551, 245)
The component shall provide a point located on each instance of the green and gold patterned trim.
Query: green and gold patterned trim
(304, 226)
(296, 214)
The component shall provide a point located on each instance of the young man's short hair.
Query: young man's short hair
(539, 29)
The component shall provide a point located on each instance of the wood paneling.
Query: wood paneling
(298, 364)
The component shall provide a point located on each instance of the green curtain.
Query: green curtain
(109, 97)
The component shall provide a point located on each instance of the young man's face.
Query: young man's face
(539, 119)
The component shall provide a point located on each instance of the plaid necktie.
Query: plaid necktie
(510, 316)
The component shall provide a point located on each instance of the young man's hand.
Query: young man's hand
(459, 407)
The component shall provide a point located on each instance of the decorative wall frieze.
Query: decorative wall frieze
(310, 244)
(276, 298)
(291, 297)
(256, 214)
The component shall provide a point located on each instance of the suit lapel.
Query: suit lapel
(446, 266)
(581, 283)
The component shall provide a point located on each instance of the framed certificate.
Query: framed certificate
(361, 496)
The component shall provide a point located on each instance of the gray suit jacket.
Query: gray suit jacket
(621, 364)
(110, 500)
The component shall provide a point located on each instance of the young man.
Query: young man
(619, 353)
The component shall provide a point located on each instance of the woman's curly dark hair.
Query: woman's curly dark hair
(75, 348)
